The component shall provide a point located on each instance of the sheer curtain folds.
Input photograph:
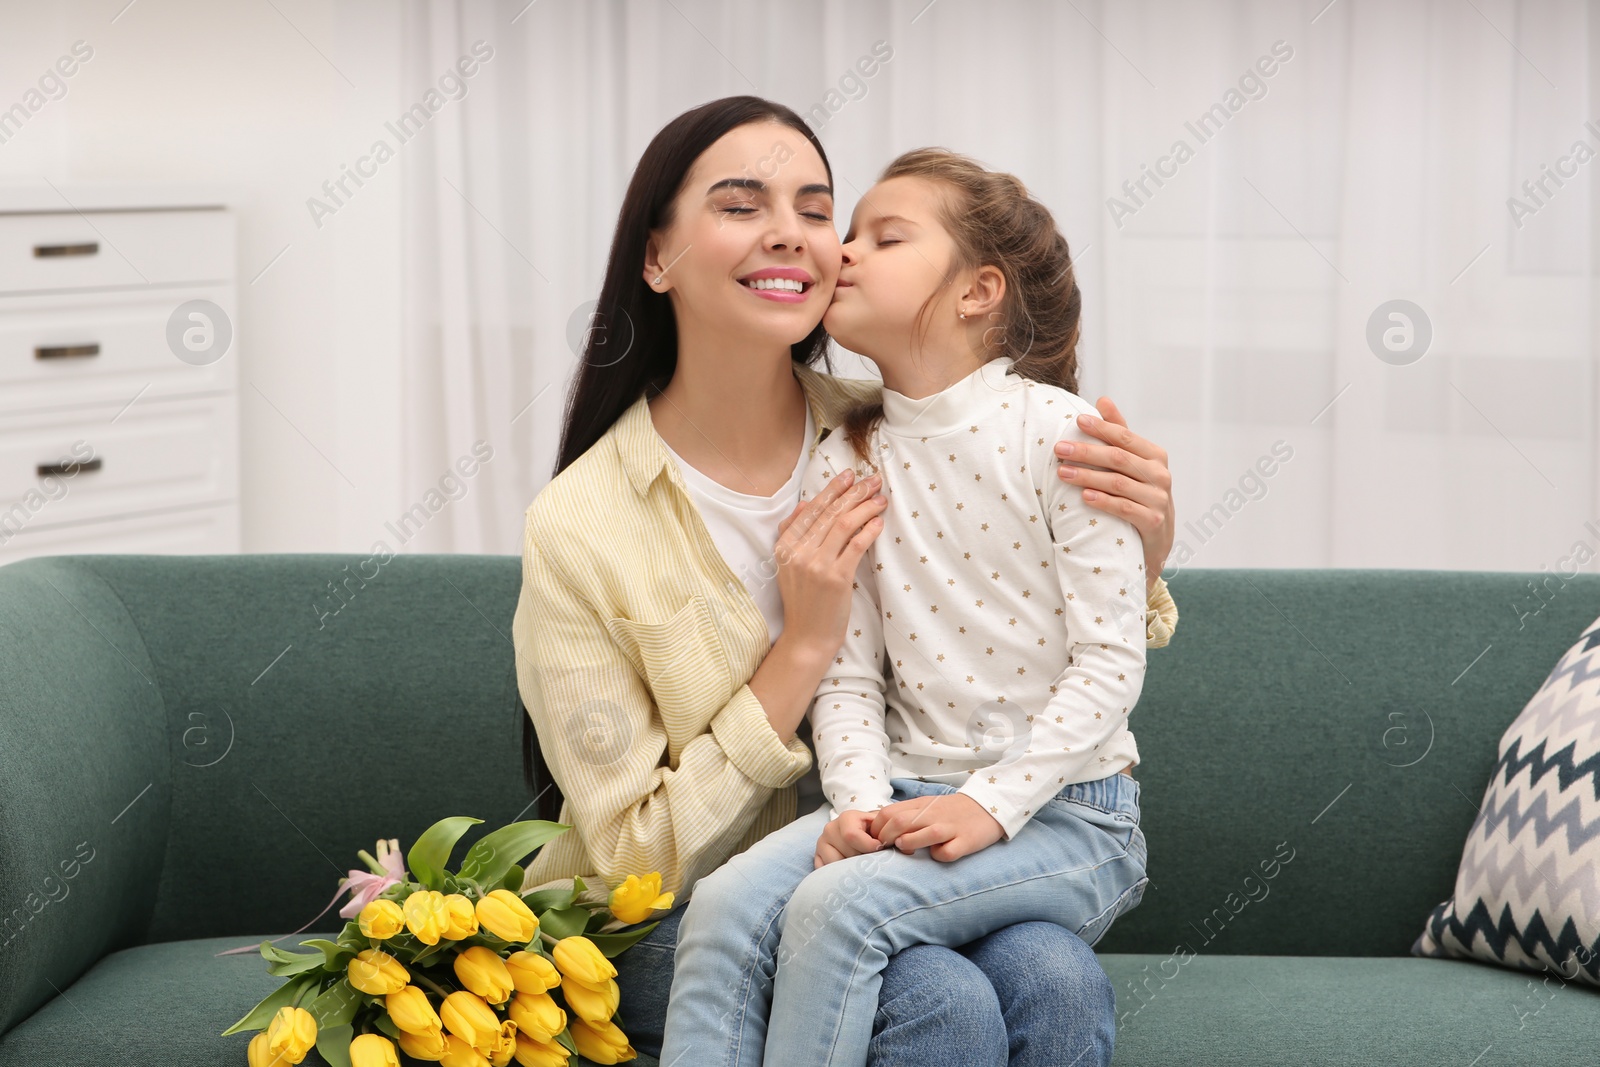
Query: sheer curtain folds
(1240, 292)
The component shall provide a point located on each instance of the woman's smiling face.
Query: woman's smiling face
(751, 249)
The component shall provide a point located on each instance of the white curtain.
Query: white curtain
(1341, 156)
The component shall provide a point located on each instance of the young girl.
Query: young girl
(977, 776)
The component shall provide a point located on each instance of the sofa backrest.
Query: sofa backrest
(1348, 719)
(196, 746)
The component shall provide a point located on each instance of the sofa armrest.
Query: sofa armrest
(85, 782)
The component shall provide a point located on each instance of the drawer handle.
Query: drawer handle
(91, 248)
(67, 469)
(67, 351)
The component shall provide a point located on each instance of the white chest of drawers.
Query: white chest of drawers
(119, 417)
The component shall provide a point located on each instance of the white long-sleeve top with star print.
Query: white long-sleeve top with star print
(1011, 612)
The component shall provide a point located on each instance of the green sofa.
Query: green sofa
(204, 742)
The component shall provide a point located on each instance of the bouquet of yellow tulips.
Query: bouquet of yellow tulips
(456, 968)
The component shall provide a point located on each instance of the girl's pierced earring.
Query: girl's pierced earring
(657, 281)
(963, 314)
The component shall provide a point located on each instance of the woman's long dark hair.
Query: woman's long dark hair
(631, 315)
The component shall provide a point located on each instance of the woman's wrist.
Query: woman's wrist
(808, 655)
(787, 680)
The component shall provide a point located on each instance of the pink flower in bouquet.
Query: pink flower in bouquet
(367, 886)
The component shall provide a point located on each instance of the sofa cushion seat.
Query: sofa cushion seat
(164, 1005)
(1248, 1010)
(160, 1005)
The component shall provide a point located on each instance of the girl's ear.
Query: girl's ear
(985, 292)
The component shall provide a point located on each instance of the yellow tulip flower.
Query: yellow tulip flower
(531, 1053)
(602, 1042)
(458, 1053)
(427, 915)
(381, 919)
(578, 957)
(428, 1047)
(532, 973)
(505, 1045)
(409, 1010)
(592, 1004)
(636, 898)
(375, 971)
(483, 972)
(469, 1018)
(463, 919)
(259, 1055)
(373, 1050)
(537, 1015)
(291, 1034)
(504, 915)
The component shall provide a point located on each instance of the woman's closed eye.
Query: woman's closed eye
(743, 210)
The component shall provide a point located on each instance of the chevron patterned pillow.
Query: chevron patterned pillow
(1527, 895)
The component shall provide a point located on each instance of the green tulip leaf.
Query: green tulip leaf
(564, 1039)
(541, 900)
(578, 886)
(564, 922)
(352, 937)
(493, 854)
(335, 1007)
(261, 1015)
(430, 852)
(429, 952)
(276, 954)
(597, 919)
(334, 954)
(614, 944)
(386, 1024)
(333, 1042)
(513, 878)
(296, 963)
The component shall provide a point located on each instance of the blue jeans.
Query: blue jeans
(774, 954)
(937, 1007)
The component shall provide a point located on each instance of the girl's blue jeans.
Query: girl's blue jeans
(778, 963)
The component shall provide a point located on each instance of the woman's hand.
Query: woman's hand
(819, 547)
(1135, 484)
(951, 824)
(845, 836)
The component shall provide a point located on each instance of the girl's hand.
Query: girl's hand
(951, 824)
(1136, 484)
(845, 836)
(819, 547)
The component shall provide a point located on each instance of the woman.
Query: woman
(666, 678)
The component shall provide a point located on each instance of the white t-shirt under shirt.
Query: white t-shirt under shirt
(745, 529)
(1012, 612)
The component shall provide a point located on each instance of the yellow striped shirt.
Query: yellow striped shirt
(635, 642)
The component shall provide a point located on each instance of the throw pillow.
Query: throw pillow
(1527, 894)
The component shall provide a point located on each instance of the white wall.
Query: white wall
(232, 93)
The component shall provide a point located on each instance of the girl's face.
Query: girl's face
(895, 257)
(751, 251)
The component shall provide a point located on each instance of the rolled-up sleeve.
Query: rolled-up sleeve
(1161, 615)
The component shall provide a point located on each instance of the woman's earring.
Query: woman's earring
(657, 281)
(963, 314)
